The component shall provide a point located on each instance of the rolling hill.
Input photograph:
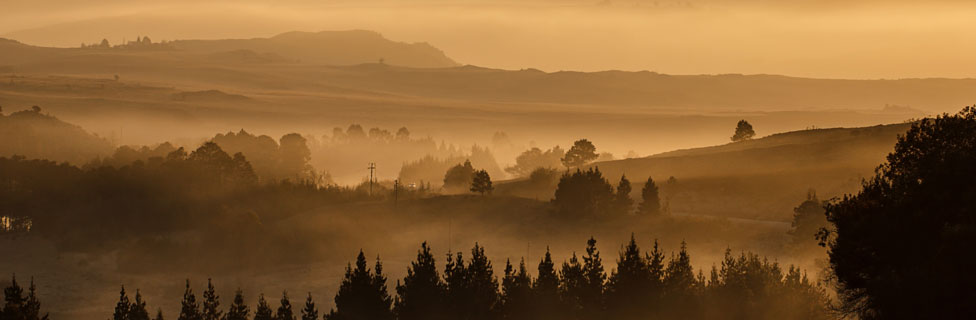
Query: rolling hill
(757, 179)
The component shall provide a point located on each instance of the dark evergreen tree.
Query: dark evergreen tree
(284, 310)
(594, 277)
(14, 301)
(159, 314)
(238, 309)
(137, 310)
(651, 204)
(481, 183)
(622, 202)
(362, 294)
(631, 289)
(545, 290)
(902, 246)
(263, 312)
(681, 289)
(310, 312)
(422, 294)
(32, 305)
(122, 307)
(517, 300)
(189, 309)
(572, 287)
(473, 289)
(211, 303)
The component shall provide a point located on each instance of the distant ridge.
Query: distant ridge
(330, 48)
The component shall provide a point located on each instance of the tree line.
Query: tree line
(645, 284)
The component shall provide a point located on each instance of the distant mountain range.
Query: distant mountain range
(335, 48)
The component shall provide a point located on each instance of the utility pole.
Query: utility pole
(396, 192)
(371, 167)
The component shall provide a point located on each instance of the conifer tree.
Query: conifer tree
(481, 183)
(122, 307)
(594, 277)
(631, 288)
(137, 309)
(651, 204)
(238, 309)
(482, 286)
(159, 314)
(571, 286)
(362, 294)
(622, 201)
(516, 299)
(32, 306)
(263, 312)
(13, 300)
(421, 296)
(211, 303)
(545, 290)
(284, 311)
(680, 286)
(310, 312)
(189, 309)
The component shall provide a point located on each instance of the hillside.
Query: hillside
(329, 48)
(758, 179)
(36, 135)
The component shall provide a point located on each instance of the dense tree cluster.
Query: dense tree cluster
(288, 158)
(643, 285)
(206, 189)
(535, 158)
(587, 194)
(459, 177)
(902, 246)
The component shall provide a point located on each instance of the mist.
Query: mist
(486, 160)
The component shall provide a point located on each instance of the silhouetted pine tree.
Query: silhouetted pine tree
(310, 312)
(593, 280)
(472, 290)
(211, 303)
(284, 310)
(622, 201)
(631, 289)
(189, 309)
(137, 309)
(545, 290)
(681, 289)
(263, 312)
(516, 298)
(651, 201)
(238, 309)
(362, 294)
(32, 306)
(571, 287)
(122, 307)
(13, 300)
(159, 314)
(421, 296)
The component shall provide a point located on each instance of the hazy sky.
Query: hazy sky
(835, 39)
